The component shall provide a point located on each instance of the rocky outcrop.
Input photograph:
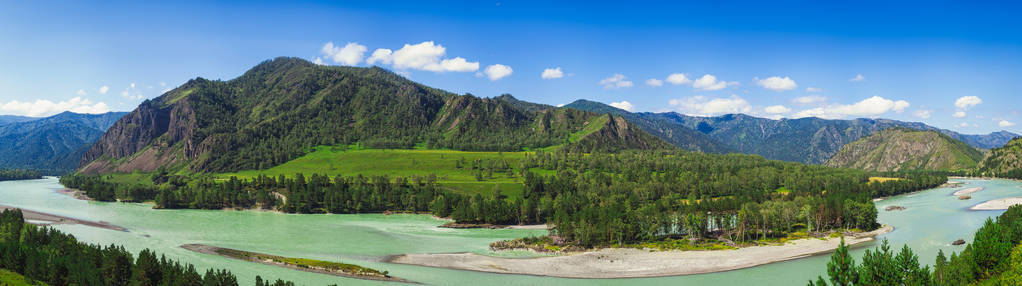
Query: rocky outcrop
(902, 149)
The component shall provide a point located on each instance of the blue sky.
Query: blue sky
(951, 65)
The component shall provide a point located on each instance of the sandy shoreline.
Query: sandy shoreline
(51, 219)
(967, 191)
(212, 250)
(997, 204)
(634, 263)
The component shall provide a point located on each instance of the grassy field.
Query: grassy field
(351, 161)
(15, 279)
(882, 179)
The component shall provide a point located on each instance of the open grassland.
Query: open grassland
(460, 171)
(882, 179)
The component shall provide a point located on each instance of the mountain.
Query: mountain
(52, 144)
(671, 131)
(8, 119)
(806, 140)
(282, 108)
(1005, 161)
(903, 149)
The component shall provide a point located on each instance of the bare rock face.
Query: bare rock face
(895, 208)
(958, 242)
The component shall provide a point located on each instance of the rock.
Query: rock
(895, 208)
(958, 242)
(964, 197)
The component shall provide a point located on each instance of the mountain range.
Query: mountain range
(806, 140)
(52, 144)
(283, 108)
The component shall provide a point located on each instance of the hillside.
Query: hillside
(280, 109)
(52, 144)
(805, 140)
(1005, 161)
(902, 149)
(670, 131)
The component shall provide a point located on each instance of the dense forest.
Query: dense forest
(16, 174)
(55, 258)
(594, 199)
(993, 258)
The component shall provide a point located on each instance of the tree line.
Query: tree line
(48, 255)
(993, 258)
(593, 199)
(19, 174)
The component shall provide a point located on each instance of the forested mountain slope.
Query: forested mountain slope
(903, 149)
(1005, 162)
(51, 144)
(806, 140)
(281, 108)
(670, 131)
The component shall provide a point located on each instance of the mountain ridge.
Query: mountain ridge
(51, 144)
(904, 149)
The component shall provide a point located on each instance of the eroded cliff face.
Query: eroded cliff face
(906, 150)
(153, 135)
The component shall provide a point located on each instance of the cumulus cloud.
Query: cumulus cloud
(811, 99)
(958, 114)
(922, 113)
(654, 82)
(81, 92)
(704, 106)
(857, 77)
(623, 105)
(1005, 123)
(814, 89)
(426, 56)
(104, 89)
(776, 109)
(678, 79)
(872, 106)
(552, 73)
(380, 56)
(45, 107)
(967, 102)
(710, 82)
(318, 61)
(616, 81)
(351, 54)
(777, 83)
(963, 124)
(497, 71)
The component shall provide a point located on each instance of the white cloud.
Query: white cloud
(497, 71)
(703, 106)
(133, 85)
(81, 92)
(710, 82)
(46, 107)
(381, 56)
(423, 56)
(963, 124)
(967, 102)
(777, 83)
(811, 99)
(814, 89)
(552, 73)
(318, 61)
(1005, 123)
(922, 113)
(351, 54)
(623, 105)
(654, 82)
(958, 114)
(857, 77)
(104, 89)
(872, 106)
(616, 81)
(776, 109)
(678, 79)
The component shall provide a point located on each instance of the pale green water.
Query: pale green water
(933, 219)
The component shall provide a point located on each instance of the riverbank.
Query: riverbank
(300, 264)
(457, 225)
(967, 191)
(635, 263)
(997, 204)
(39, 218)
(75, 193)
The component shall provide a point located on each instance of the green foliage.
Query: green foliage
(9, 175)
(904, 149)
(1004, 162)
(841, 267)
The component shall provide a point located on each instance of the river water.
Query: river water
(931, 221)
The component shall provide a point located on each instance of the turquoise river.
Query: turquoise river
(932, 219)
